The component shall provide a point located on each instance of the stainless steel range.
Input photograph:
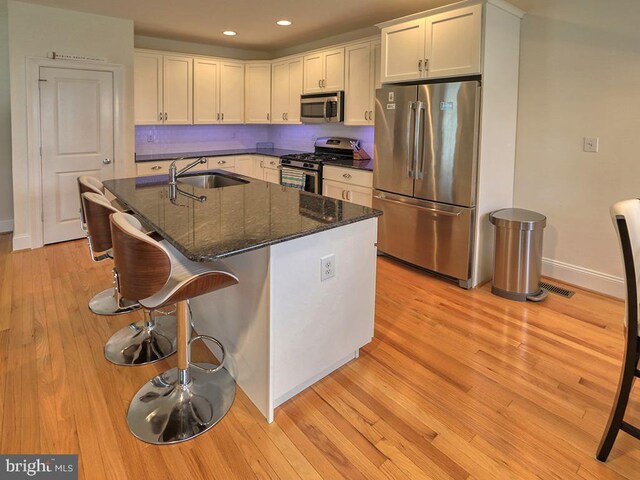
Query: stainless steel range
(304, 170)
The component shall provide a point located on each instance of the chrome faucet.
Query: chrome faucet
(174, 173)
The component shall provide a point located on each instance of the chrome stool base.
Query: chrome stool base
(104, 303)
(166, 411)
(142, 343)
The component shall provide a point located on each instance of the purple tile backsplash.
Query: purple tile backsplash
(152, 139)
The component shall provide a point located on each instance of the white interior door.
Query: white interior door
(76, 115)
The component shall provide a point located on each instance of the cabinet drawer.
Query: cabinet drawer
(224, 163)
(162, 167)
(350, 176)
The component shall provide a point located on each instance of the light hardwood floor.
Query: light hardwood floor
(456, 384)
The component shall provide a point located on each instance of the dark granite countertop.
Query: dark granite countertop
(233, 219)
(271, 152)
(357, 164)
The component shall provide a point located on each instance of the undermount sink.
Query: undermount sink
(211, 180)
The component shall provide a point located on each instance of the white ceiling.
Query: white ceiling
(203, 21)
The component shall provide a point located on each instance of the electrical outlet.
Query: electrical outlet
(150, 139)
(327, 267)
(591, 144)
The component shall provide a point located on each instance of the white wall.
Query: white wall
(579, 76)
(6, 195)
(35, 30)
(169, 45)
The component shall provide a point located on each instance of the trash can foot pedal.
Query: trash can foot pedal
(539, 296)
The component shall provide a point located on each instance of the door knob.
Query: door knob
(106, 161)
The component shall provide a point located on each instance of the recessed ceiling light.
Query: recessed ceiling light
(283, 22)
(230, 33)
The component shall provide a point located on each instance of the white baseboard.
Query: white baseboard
(21, 242)
(6, 225)
(584, 277)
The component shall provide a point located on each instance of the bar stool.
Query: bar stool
(103, 303)
(186, 401)
(626, 220)
(138, 343)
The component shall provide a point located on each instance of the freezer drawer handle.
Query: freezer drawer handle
(423, 209)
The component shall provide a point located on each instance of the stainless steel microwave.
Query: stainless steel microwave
(322, 107)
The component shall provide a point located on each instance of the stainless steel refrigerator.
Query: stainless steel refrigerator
(424, 178)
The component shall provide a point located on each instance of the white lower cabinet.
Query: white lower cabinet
(348, 184)
(266, 168)
(244, 165)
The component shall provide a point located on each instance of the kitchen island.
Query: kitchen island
(282, 326)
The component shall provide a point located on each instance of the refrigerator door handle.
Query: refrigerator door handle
(422, 209)
(418, 153)
(410, 141)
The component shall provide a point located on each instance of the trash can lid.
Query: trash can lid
(518, 218)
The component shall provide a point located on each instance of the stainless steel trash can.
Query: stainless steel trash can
(518, 254)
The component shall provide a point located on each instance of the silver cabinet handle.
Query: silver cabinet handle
(156, 167)
(166, 116)
(324, 84)
(419, 65)
(222, 116)
(343, 192)
(370, 115)
(218, 116)
(319, 83)
(286, 116)
(426, 64)
(160, 116)
(283, 116)
(221, 162)
(347, 175)
(349, 195)
(272, 162)
(261, 163)
(366, 113)
(106, 161)
(267, 116)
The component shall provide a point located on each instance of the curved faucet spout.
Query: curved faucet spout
(174, 173)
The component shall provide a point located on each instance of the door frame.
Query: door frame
(34, 140)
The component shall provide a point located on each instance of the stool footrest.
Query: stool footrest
(217, 342)
(630, 429)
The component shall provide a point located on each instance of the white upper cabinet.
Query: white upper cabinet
(218, 91)
(163, 89)
(403, 51)
(231, 92)
(324, 71)
(446, 44)
(286, 89)
(178, 90)
(257, 93)
(148, 89)
(362, 65)
(206, 91)
(454, 41)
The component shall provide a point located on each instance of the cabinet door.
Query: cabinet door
(279, 92)
(206, 91)
(272, 175)
(333, 189)
(178, 90)
(376, 61)
(358, 91)
(258, 167)
(244, 165)
(333, 66)
(295, 90)
(403, 51)
(359, 195)
(313, 72)
(147, 74)
(257, 93)
(231, 92)
(452, 42)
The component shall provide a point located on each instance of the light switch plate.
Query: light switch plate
(591, 144)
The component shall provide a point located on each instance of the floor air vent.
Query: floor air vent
(563, 292)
